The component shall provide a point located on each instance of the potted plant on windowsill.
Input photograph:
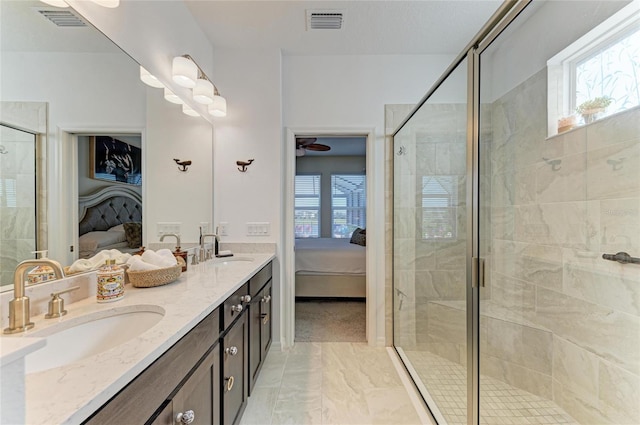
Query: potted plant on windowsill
(591, 109)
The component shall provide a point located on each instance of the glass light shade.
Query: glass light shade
(107, 3)
(56, 3)
(219, 106)
(203, 92)
(170, 96)
(149, 79)
(185, 72)
(188, 110)
(299, 152)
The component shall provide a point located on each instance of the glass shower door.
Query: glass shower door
(430, 248)
(559, 324)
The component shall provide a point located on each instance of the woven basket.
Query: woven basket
(159, 277)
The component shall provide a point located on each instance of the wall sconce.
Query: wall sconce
(219, 106)
(104, 3)
(188, 110)
(170, 96)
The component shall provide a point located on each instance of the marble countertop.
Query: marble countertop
(70, 394)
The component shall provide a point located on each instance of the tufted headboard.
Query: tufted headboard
(109, 207)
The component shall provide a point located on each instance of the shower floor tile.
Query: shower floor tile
(500, 403)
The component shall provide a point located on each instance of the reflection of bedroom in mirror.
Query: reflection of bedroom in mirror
(109, 193)
(330, 206)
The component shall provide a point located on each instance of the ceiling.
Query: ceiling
(370, 27)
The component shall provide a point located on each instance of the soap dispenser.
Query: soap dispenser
(110, 282)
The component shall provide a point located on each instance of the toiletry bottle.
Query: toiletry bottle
(181, 254)
(110, 282)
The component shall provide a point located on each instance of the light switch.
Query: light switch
(163, 228)
(258, 228)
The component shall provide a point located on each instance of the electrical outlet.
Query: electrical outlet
(223, 228)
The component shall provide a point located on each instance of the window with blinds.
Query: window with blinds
(307, 206)
(348, 204)
(439, 207)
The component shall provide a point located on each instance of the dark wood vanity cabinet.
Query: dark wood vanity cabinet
(208, 372)
(260, 313)
(198, 400)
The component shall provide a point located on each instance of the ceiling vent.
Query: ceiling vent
(62, 18)
(325, 19)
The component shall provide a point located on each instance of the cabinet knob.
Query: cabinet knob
(266, 298)
(236, 308)
(232, 351)
(186, 417)
(245, 298)
(230, 381)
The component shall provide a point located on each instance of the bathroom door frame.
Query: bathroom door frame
(375, 215)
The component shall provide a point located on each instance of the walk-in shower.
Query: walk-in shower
(516, 186)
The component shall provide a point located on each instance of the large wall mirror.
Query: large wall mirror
(64, 85)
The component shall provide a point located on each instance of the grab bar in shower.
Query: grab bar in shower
(621, 257)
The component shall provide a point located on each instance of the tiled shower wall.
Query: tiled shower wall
(562, 322)
(17, 201)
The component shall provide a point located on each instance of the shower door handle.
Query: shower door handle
(622, 258)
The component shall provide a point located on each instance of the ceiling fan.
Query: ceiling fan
(304, 144)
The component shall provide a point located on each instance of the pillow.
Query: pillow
(118, 228)
(359, 237)
(94, 240)
(133, 232)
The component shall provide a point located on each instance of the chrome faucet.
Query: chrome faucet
(203, 257)
(19, 307)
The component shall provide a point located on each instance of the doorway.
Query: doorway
(299, 223)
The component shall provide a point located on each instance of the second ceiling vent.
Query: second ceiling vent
(325, 19)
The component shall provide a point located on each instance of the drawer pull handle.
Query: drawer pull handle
(232, 351)
(266, 298)
(229, 383)
(245, 298)
(265, 318)
(186, 418)
(236, 308)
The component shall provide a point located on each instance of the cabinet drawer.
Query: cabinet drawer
(234, 306)
(259, 280)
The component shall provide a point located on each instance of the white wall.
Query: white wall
(172, 195)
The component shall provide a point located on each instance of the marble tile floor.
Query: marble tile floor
(332, 383)
(500, 403)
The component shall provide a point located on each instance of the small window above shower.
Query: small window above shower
(598, 75)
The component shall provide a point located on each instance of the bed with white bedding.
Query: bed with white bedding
(327, 267)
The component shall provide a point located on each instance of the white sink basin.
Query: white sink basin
(91, 334)
(229, 260)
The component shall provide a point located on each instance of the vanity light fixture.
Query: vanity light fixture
(170, 96)
(149, 79)
(219, 106)
(187, 73)
(188, 110)
(203, 91)
(184, 71)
